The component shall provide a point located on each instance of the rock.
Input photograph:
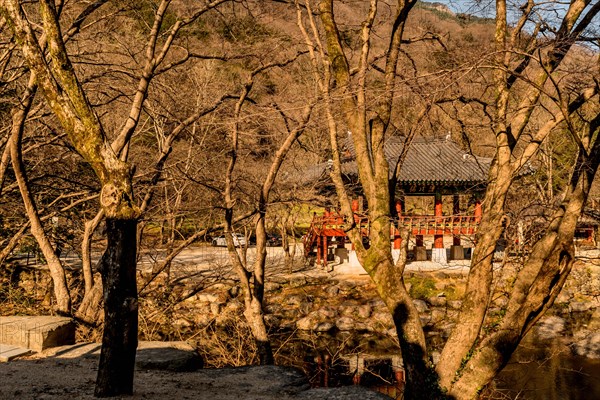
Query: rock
(294, 300)
(323, 327)
(307, 323)
(420, 305)
(207, 297)
(332, 290)
(181, 323)
(364, 311)
(347, 311)
(272, 286)
(327, 312)
(380, 318)
(378, 304)
(455, 304)
(435, 357)
(234, 291)
(215, 308)
(345, 324)
(233, 307)
(446, 330)
(169, 356)
(550, 327)
(588, 345)
(580, 306)
(305, 308)
(298, 282)
(437, 301)
(437, 315)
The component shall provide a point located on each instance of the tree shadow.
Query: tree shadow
(422, 382)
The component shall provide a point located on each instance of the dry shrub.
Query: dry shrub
(229, 344)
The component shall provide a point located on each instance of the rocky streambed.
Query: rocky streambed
(317, 303)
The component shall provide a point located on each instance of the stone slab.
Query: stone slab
(168, 356)
(36, 332)
(177, 356)
(9, 352)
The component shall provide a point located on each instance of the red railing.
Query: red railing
(445, 225)
(332, 224)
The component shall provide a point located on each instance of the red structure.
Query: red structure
(435, 168)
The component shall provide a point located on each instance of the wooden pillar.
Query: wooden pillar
(419, 240)
(456, 213)
(319, 251)
(325, 250)
(438, 253)
(478, 211)
(438, 239)
(396, 231)
(457, 252)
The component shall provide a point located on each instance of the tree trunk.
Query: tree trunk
(478, 291)
(90, 309)
(119, 340)
(86, 251)
(256, 319)
(421, 381)
(57, 272)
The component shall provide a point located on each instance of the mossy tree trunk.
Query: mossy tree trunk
(369, 129)
(346, 91)
(472, 357)
(64, 95)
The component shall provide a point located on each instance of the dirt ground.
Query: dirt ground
(73, 378)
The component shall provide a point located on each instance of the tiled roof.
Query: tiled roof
(439, 161)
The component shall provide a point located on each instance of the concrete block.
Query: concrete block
(37, 332)
(457, 252)
(439, 256)
(420, 253)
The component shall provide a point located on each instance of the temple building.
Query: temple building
(436, 169)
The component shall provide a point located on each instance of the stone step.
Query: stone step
(8, 352)
(36, 332)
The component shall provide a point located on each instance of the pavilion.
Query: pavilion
(433, 167)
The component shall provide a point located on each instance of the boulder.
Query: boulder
(550, 327)
(420, 305)
(294, 300)
(332, 290)
(169, 356)
(364, 311)
(581, 306)
(323, 327)
(437, 301)
(272, 286)
(345, 324)
(298, 282)
(455, 304)
(588, 345)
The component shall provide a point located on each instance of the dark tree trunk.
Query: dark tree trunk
(119, 340)
(265, 353)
